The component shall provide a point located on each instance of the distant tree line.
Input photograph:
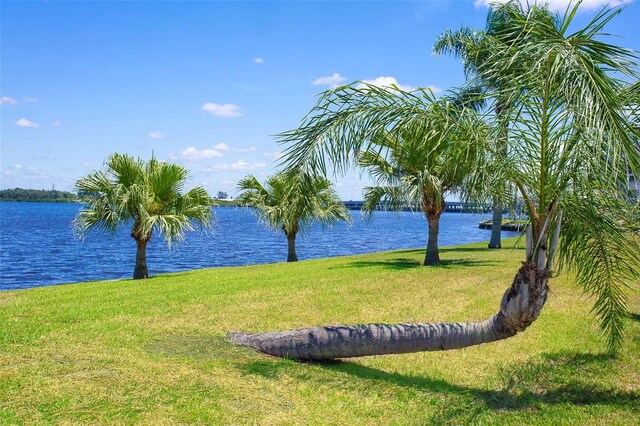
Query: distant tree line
(37, 195)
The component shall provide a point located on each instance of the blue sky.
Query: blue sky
(205, 84)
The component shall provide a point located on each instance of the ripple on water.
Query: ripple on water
(38, 247)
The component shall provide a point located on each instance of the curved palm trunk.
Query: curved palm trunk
(140, 270)
(291, 251)
(521, 305)
(496, 226)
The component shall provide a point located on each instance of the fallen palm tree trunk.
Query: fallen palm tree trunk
(520, 307)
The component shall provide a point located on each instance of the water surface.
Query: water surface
(38, 246)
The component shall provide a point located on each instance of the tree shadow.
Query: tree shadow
(580, 379)
(402, 263)
(448, 263)
(399, 263)
(553, 379)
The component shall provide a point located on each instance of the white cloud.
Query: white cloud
(7, 100)
(23, 122)
(57, 123)
(30, 99)
(273, 155)
(434, 89)
(332, 80)
(561, 5)
(239, 165)
(250, 149)
(386, 81)
(224, 147)
(223, 110)
(157, 135)
(258, 61)
(193, 154)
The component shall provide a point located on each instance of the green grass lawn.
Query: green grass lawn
(154, 352)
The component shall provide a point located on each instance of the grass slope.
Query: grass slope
(154, 352)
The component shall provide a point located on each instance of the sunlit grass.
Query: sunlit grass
(155, 351)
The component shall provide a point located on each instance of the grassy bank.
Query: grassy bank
(154, 352)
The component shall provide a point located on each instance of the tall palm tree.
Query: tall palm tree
(147, 195)
(291, 202)
(475, 48)
(419, 164)
(570, 148)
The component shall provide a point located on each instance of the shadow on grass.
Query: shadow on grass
(402, 263)
(579, 379)
(556, 379)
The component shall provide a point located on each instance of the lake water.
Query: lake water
(38, 246)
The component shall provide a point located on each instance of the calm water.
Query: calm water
(38, 247)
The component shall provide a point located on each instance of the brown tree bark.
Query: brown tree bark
(291, 247)
(496, 227)
(140, 270)
(432, 211)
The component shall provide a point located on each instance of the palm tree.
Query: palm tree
(147, 195)
(475, 48)
(570, 147)
(419, 164)
(291, 202)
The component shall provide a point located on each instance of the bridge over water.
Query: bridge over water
(450, 206)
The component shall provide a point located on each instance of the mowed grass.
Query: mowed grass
(155, 352)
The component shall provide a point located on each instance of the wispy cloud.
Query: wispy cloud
(250, 149)
(273, 155)
(561, 5)
(386, 81)
(434, 89)
(193, 154)
(156, 135)
(333, 80)
(8, 100)
(222, 110)
(57, 123)
(258, 61)
(224, 147)
(239, 165)
(30, 99)
(23, 122)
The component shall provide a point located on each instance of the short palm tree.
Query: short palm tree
(147, 195)
(291, 202)
(419, 164)
(570, 150)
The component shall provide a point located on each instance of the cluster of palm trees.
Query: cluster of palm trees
(549, 114)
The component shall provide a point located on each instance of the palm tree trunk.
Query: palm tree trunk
(291, 252)
(521, 305)
(433, 257)
(496, 227)
(140, 270)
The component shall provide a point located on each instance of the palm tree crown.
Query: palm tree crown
(146, 194)
(291, 202)
(418, 165)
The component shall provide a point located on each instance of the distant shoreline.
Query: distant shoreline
(37, 195)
